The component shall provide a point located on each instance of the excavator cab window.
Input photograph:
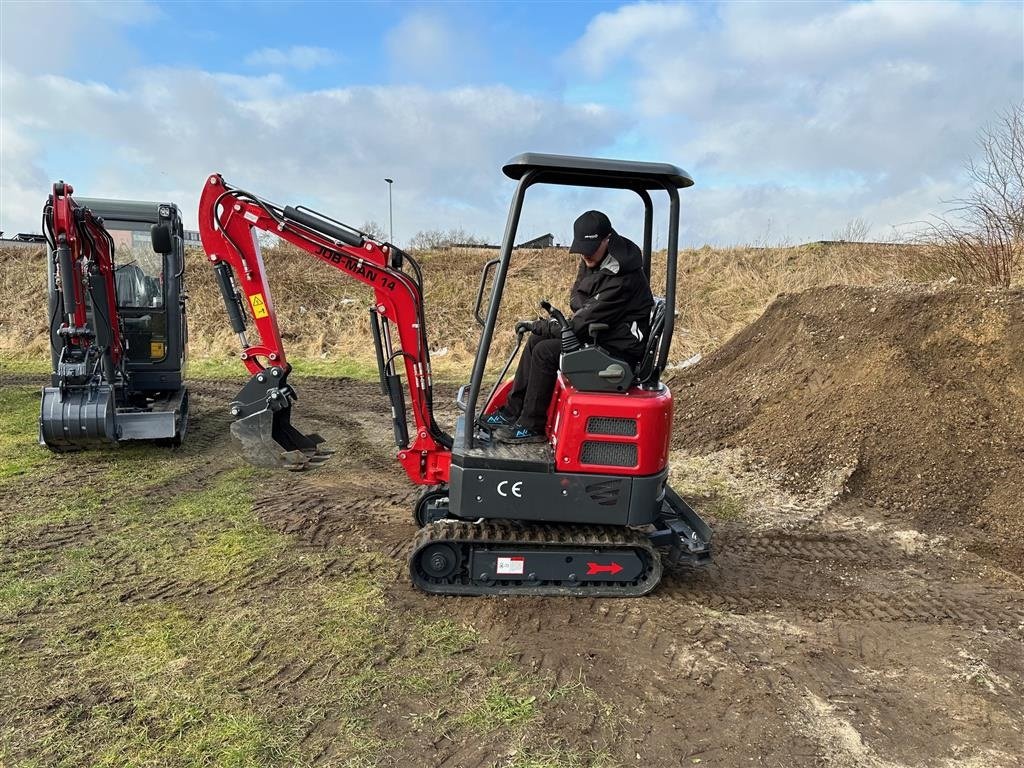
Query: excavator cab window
(139, 273)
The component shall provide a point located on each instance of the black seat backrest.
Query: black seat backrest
(130, 285)
(647, 370)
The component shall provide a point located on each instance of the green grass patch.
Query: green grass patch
(13, 362)
(444, 637)
(20, 451)
(65, 573)
(504, 706)
(352, 621)
(150, 688)
(702, 479)
(177, 629)
(78, 505)
(233, 368)
(726, 506)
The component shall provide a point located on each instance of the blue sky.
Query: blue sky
(794, 118)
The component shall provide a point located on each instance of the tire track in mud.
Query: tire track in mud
(840, 576)
(736, 644)
(811, 575)
(282, 499)
(681, 642)
(198, 464)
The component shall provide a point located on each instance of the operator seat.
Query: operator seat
(130, 284)
(592, 369)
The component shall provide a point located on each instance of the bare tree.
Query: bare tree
(855, 231)
(374, 230)
(429, 239)
(981, 236)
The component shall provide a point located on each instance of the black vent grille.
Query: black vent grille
(605, 492)
(608, 454)
(610, 425)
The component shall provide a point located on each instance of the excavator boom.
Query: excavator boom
(81, 409)
(229, 219)
(587, 511)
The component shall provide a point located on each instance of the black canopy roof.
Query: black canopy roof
(123, 210)
(597, 172)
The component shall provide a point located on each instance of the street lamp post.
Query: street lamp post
(391, 216)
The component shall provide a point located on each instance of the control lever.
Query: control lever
(569, 341)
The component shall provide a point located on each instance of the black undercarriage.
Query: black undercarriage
(496, 557)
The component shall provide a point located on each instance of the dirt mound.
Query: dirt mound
(916, 391)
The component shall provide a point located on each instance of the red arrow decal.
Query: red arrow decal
(595, 568)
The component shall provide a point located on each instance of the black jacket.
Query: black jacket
(616, 292)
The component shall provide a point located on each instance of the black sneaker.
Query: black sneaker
(519, 435)
(500, 418)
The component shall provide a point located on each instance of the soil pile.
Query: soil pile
(918, 391)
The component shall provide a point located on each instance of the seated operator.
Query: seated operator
(610, 288)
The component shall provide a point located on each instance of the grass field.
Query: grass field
(149, 617)
(178, 608)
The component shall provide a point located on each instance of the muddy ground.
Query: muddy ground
(270, 621)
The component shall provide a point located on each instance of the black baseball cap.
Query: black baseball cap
(589, 230)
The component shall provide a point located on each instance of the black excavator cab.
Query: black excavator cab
(146, 398)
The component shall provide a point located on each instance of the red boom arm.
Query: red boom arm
(85, 255)
(227, 220)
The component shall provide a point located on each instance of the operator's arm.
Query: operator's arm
(606, 306)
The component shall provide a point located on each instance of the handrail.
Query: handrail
(480, 291)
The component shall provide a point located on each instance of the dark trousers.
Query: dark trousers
(534, 382)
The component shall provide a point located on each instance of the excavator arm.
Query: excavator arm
(86, 334)
(83, 254)
(229, 221)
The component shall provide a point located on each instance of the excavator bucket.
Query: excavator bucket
(268, 439)
(77, 417)
(263, 427)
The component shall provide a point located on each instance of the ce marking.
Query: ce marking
(516, 489)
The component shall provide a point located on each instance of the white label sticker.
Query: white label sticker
(511, 565)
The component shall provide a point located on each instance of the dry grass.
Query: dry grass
(322, 315)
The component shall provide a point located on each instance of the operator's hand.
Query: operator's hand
(545, 328)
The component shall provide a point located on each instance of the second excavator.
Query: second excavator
(118, 334)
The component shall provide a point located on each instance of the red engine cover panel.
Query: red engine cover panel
(611, 433)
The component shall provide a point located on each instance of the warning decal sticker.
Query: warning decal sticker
(511, 566)
(259, 306)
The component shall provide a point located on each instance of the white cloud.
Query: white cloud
(864, 107)
(163, 132)
(300, 57)
(426, 48)
(48, 35)
(793, 118)
(613, 35)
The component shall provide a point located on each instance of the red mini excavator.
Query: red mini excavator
(117, 331)
(589, 512)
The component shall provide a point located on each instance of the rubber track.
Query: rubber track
(466, 536)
